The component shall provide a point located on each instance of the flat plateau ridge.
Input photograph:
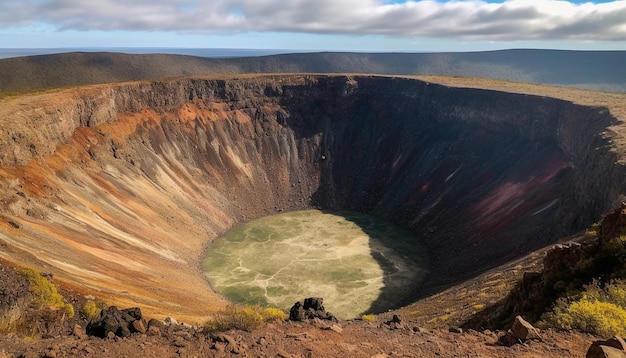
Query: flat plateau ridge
(118, 188)
(597, 70)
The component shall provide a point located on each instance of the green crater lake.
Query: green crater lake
(357, 263)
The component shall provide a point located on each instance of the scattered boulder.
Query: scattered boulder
(169, 321)
(155, 326)
(139, 326)
(605, 352)
(312, 307)
(523, 330)
(395, 322)
(611, 348)
(155, 323)
(116, 322)
(616, 342)
(520, 332)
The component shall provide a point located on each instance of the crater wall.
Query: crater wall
(118, 188)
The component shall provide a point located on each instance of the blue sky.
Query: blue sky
(335, 25)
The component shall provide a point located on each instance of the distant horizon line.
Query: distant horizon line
(297, 50)
(217, 52)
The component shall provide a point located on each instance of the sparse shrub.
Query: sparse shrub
(614, 292)
(273, 314)
(69, 309)
(245, 318)
(92, 308)
(592, 232)
(45, 294)
(369, 318)
(592, 316)
(598, 310)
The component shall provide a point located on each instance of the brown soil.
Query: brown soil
(288, 339)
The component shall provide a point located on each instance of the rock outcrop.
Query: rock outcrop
(520, 332)
(116, 322)
(310, 308)
(613, 224)
(611, 348)
(117, 187)
(523, 330)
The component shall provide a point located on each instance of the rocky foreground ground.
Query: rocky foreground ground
(384, 336)
(296, 339)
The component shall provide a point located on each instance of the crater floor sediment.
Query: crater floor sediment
(357, 263)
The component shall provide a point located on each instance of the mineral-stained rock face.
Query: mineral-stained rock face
(118, 188)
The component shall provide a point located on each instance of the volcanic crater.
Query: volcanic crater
(118, 189)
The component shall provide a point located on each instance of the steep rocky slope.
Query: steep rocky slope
(119, 188)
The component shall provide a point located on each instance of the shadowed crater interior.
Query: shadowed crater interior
(121, 186)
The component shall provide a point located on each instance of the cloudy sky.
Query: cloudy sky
(336, 25)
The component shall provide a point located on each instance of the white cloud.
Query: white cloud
(469, 19)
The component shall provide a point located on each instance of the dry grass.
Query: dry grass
(368, 317)
(45, 294)
(599, 310)
(245, 318)
(92, 308)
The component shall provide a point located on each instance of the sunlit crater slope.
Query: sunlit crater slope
(118, 188)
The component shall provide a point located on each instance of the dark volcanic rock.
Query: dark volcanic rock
(562, 258)
(311, 308)
(395, 322)
(610, 348)
(613, 224)
(118, 322)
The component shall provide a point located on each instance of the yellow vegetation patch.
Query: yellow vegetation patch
(602, 318)
(244, 318)
(92, 308)
(369, 318)
(45, 294)
(600, 311)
